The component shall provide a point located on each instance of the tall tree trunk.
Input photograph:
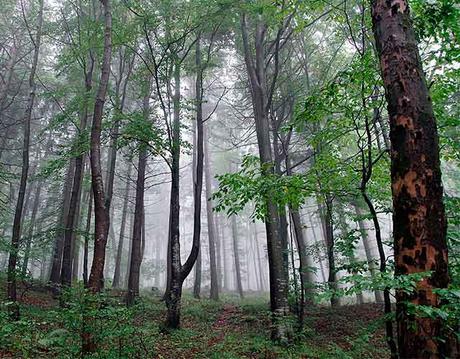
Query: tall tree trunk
(236, 256)
(117, 272)
(136, 246)
(174, 287)
(224, 253)
(16, 235)
(198, 159)
(87, 235)
(58, 248)
(278, 280)
(419, 223)
(77, 238)
(101, 214)
(30, 235)
(211, 225)
(218, 251)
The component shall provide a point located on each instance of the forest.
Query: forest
(230, 179)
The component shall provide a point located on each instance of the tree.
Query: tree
(101, 214)
(12, 261)
(136, 244)
(419, 228)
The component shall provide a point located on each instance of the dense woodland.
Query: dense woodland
(229, 179)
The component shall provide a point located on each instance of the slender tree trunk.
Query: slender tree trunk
(306, 276)
(30, 235)
(101, 219)
(87, 235)
(58, 248)
(136, 249)
(259, 260)
(367, 249)
(218, 251)
(315, 238)
(117, 272)
(236, 256)
(211, 225)
(328, 228)
(224, 254)
(198, 170)
(16, 235)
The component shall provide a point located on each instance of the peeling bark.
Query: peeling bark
(419, 223)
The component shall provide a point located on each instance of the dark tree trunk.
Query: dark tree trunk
(236, 256)
(58, 248)
(117, 272)
(211, 225)
(278, 280)
(136, 244)
(101, 214)
(30, 235)
(198, 168)
(174, 286)
(419, 223)
(328, 229)
(16, 234)
(87, 236)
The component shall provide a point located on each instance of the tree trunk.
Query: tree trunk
(211, 225)
(136, 246)
(367, 249)
(87, 235)
(419, 223)
(307, 279)
(198, 162)
(259, 261)
(117, 273)
(236, 256)
(101, 215)
(174, 286)
(30, 235)
(16, 234)
(58, 248)
(328, 229)
(278, 280)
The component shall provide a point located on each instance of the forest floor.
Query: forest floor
(229, 328)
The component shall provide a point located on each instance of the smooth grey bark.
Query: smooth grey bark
(117, 272)
(89, 213)
(198, 163)
(214, 294)
(236, 256)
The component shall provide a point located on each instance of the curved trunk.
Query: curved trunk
(101, 215)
